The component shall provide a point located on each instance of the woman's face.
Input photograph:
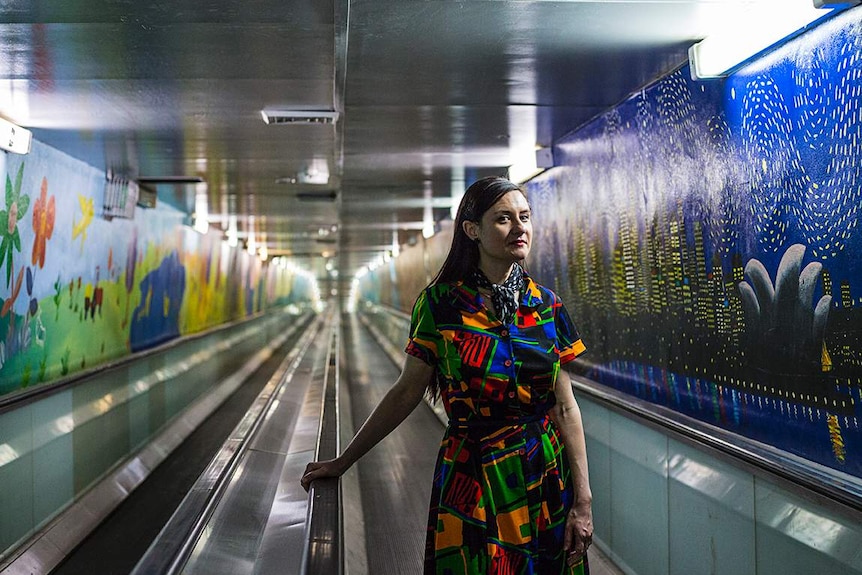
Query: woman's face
(504, 232)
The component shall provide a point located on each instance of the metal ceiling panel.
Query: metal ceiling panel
(430, 95)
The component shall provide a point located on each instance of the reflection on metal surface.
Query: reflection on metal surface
(809, 527)
(49, 547)
(702, 478)
(387, 327)
(7, 454)
(122, 393)
(218, 532)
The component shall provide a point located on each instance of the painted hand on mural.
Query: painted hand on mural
(785, 334)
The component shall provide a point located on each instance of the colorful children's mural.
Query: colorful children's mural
(705, 237)
(78, 290)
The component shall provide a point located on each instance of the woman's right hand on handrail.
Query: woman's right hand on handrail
(319, 469)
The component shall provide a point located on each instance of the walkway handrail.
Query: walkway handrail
(323, 552)
(28, 395)
(170, 551)
(794, 473)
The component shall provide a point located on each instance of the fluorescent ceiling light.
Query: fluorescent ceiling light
(14, 138)
(762, 26)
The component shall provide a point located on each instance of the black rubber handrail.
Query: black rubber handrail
(171, 549)
(323, 552)
(831, 489)
(21, 398)
(795, 474)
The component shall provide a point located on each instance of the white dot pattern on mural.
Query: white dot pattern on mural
(806, 174)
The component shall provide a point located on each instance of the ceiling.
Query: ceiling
(430, 94)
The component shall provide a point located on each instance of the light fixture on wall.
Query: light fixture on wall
(529, 164)
(762, 26)
(201, 215)
(14, 138)
(250, 242)
(232, 232)
(428, 228)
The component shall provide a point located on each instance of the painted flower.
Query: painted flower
(16, 207)
(43, 224)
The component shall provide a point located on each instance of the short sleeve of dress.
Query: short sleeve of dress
(568, 339)
(424, 336)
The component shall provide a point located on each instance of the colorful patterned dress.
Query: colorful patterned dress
(502, 486)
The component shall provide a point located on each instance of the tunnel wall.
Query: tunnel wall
(79, 290)
(664, 504)
(705, 237)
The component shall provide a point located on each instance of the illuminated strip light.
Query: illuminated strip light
(428, 229)
(14, 138)
(762, 27)
(232, 232)
(201, 216)
(530, 164)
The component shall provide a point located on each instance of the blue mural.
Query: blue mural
(157, 317)
(705, 236)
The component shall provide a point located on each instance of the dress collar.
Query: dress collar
(466, 297)
(532, 296)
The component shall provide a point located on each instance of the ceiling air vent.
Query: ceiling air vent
(299, 116)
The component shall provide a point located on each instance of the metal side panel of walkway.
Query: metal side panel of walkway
(119, 542)
(258, 523)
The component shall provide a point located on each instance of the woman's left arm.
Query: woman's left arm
(567, 417)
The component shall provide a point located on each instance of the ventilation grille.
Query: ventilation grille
(299, 116)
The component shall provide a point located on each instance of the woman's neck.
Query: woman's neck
(496, 274)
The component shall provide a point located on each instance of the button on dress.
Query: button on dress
(502, 485)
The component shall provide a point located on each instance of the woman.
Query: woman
(511, 491)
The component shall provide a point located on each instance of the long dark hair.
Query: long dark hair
(463, 256)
